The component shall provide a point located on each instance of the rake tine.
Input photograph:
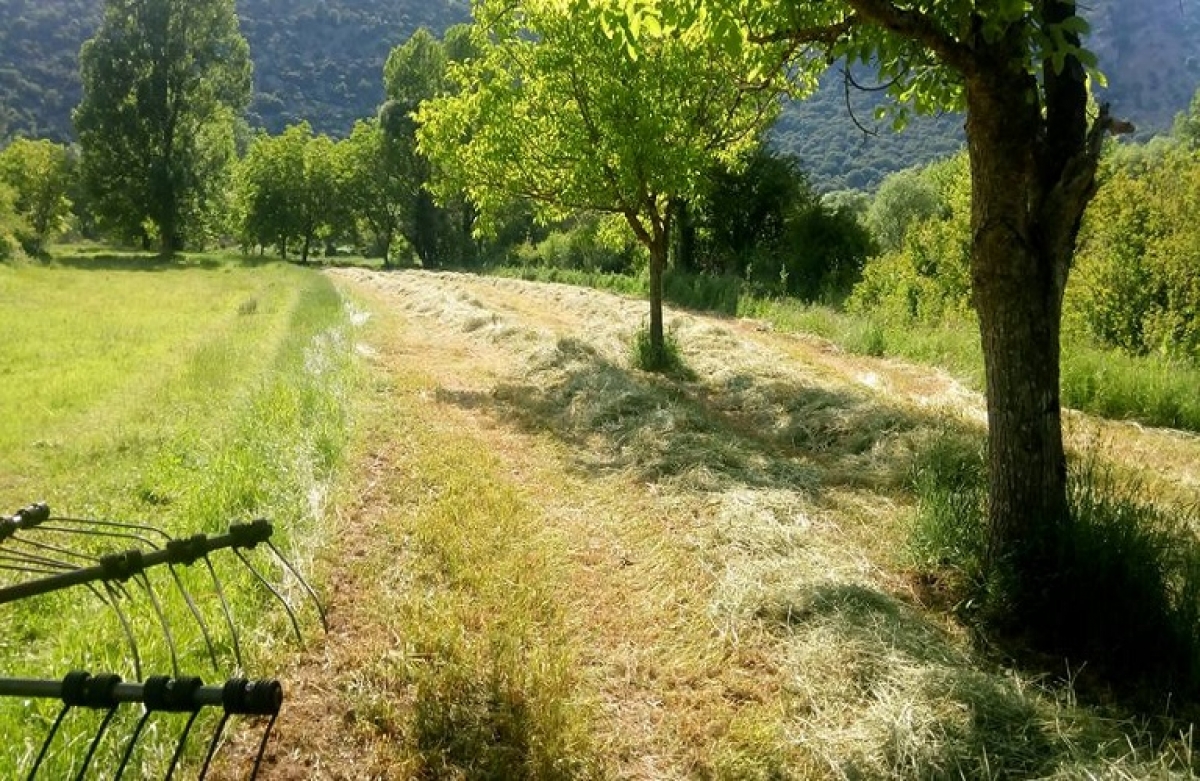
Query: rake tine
(28, 570)
(262, 747)
(87, 760)
(212, 746)
(45, 561)
(162, 620)
(98, 533)
(304, 583)
(115, 525)
(62, 714)
(133, 739)
(237, 647)
(53, 549)
(125, 625)
(179, 746)
(212, 651)
(291, 613)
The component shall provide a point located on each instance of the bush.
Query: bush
(1118, 588)
(1135, 284)
(592, 244)
(925, 277)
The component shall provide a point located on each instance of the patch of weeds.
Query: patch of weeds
(867, 338)
(669, 360)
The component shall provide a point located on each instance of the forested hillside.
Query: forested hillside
(1149, 52)
(321, 60)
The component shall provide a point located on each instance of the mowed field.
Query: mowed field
(538, 562)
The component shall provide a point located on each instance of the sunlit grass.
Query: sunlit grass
(185, 395)
(1107, 382)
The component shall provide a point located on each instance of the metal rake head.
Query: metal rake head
(120, 563)
(46, 553)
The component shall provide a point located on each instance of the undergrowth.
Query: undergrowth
(1120, 596)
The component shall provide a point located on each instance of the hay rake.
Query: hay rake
(42, 554)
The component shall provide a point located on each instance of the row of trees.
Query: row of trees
(296, 189)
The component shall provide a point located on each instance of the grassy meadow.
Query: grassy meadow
(185, 396)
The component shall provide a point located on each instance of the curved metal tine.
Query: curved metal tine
(87, 760)
(187, 597)
(62, 714)
(144, 580)
(212, 746)
(262, 747)
(237, 646)
(28, 570)
(145, 527)
(113, 602)
(133, 739)
(286, 606)
(180, 744)
(98, 533)
(304, 583)
(55, 549)
(44, 561)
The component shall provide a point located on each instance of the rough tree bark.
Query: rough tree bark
(1033, 171)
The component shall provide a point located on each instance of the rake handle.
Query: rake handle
(237, 696)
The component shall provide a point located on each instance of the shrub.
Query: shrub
(592, 244)
(925, 277)
(1135, 284)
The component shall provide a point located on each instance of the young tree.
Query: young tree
(40, 174)
(1019, 70)
(294, 188)
(416, 72)
(158, 77)
(553, 111)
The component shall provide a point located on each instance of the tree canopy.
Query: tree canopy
(39, 174)
(555, 112)
(164, 83)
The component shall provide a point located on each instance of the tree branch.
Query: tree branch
(915, 26)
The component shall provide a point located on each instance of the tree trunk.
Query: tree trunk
(1032, 176)
(658, 263)
(657, 239)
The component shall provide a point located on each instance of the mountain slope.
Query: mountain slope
(322, 60)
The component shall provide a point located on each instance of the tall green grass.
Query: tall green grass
(1119, 589)
(184, 395)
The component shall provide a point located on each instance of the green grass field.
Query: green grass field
(186, 396)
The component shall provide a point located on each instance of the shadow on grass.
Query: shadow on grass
(742, 433)
(938, 714)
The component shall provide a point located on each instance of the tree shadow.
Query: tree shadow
(743, 432)
(138, 261)
(938, 714)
